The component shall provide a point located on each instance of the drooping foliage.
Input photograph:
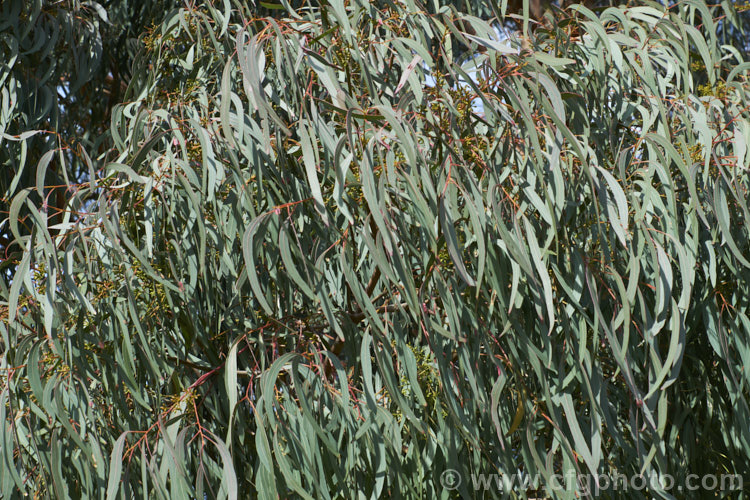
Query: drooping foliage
(65, 65)
(336, 251)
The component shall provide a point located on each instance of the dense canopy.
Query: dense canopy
(346, 249)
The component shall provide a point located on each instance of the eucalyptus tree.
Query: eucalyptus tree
(369, 250)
